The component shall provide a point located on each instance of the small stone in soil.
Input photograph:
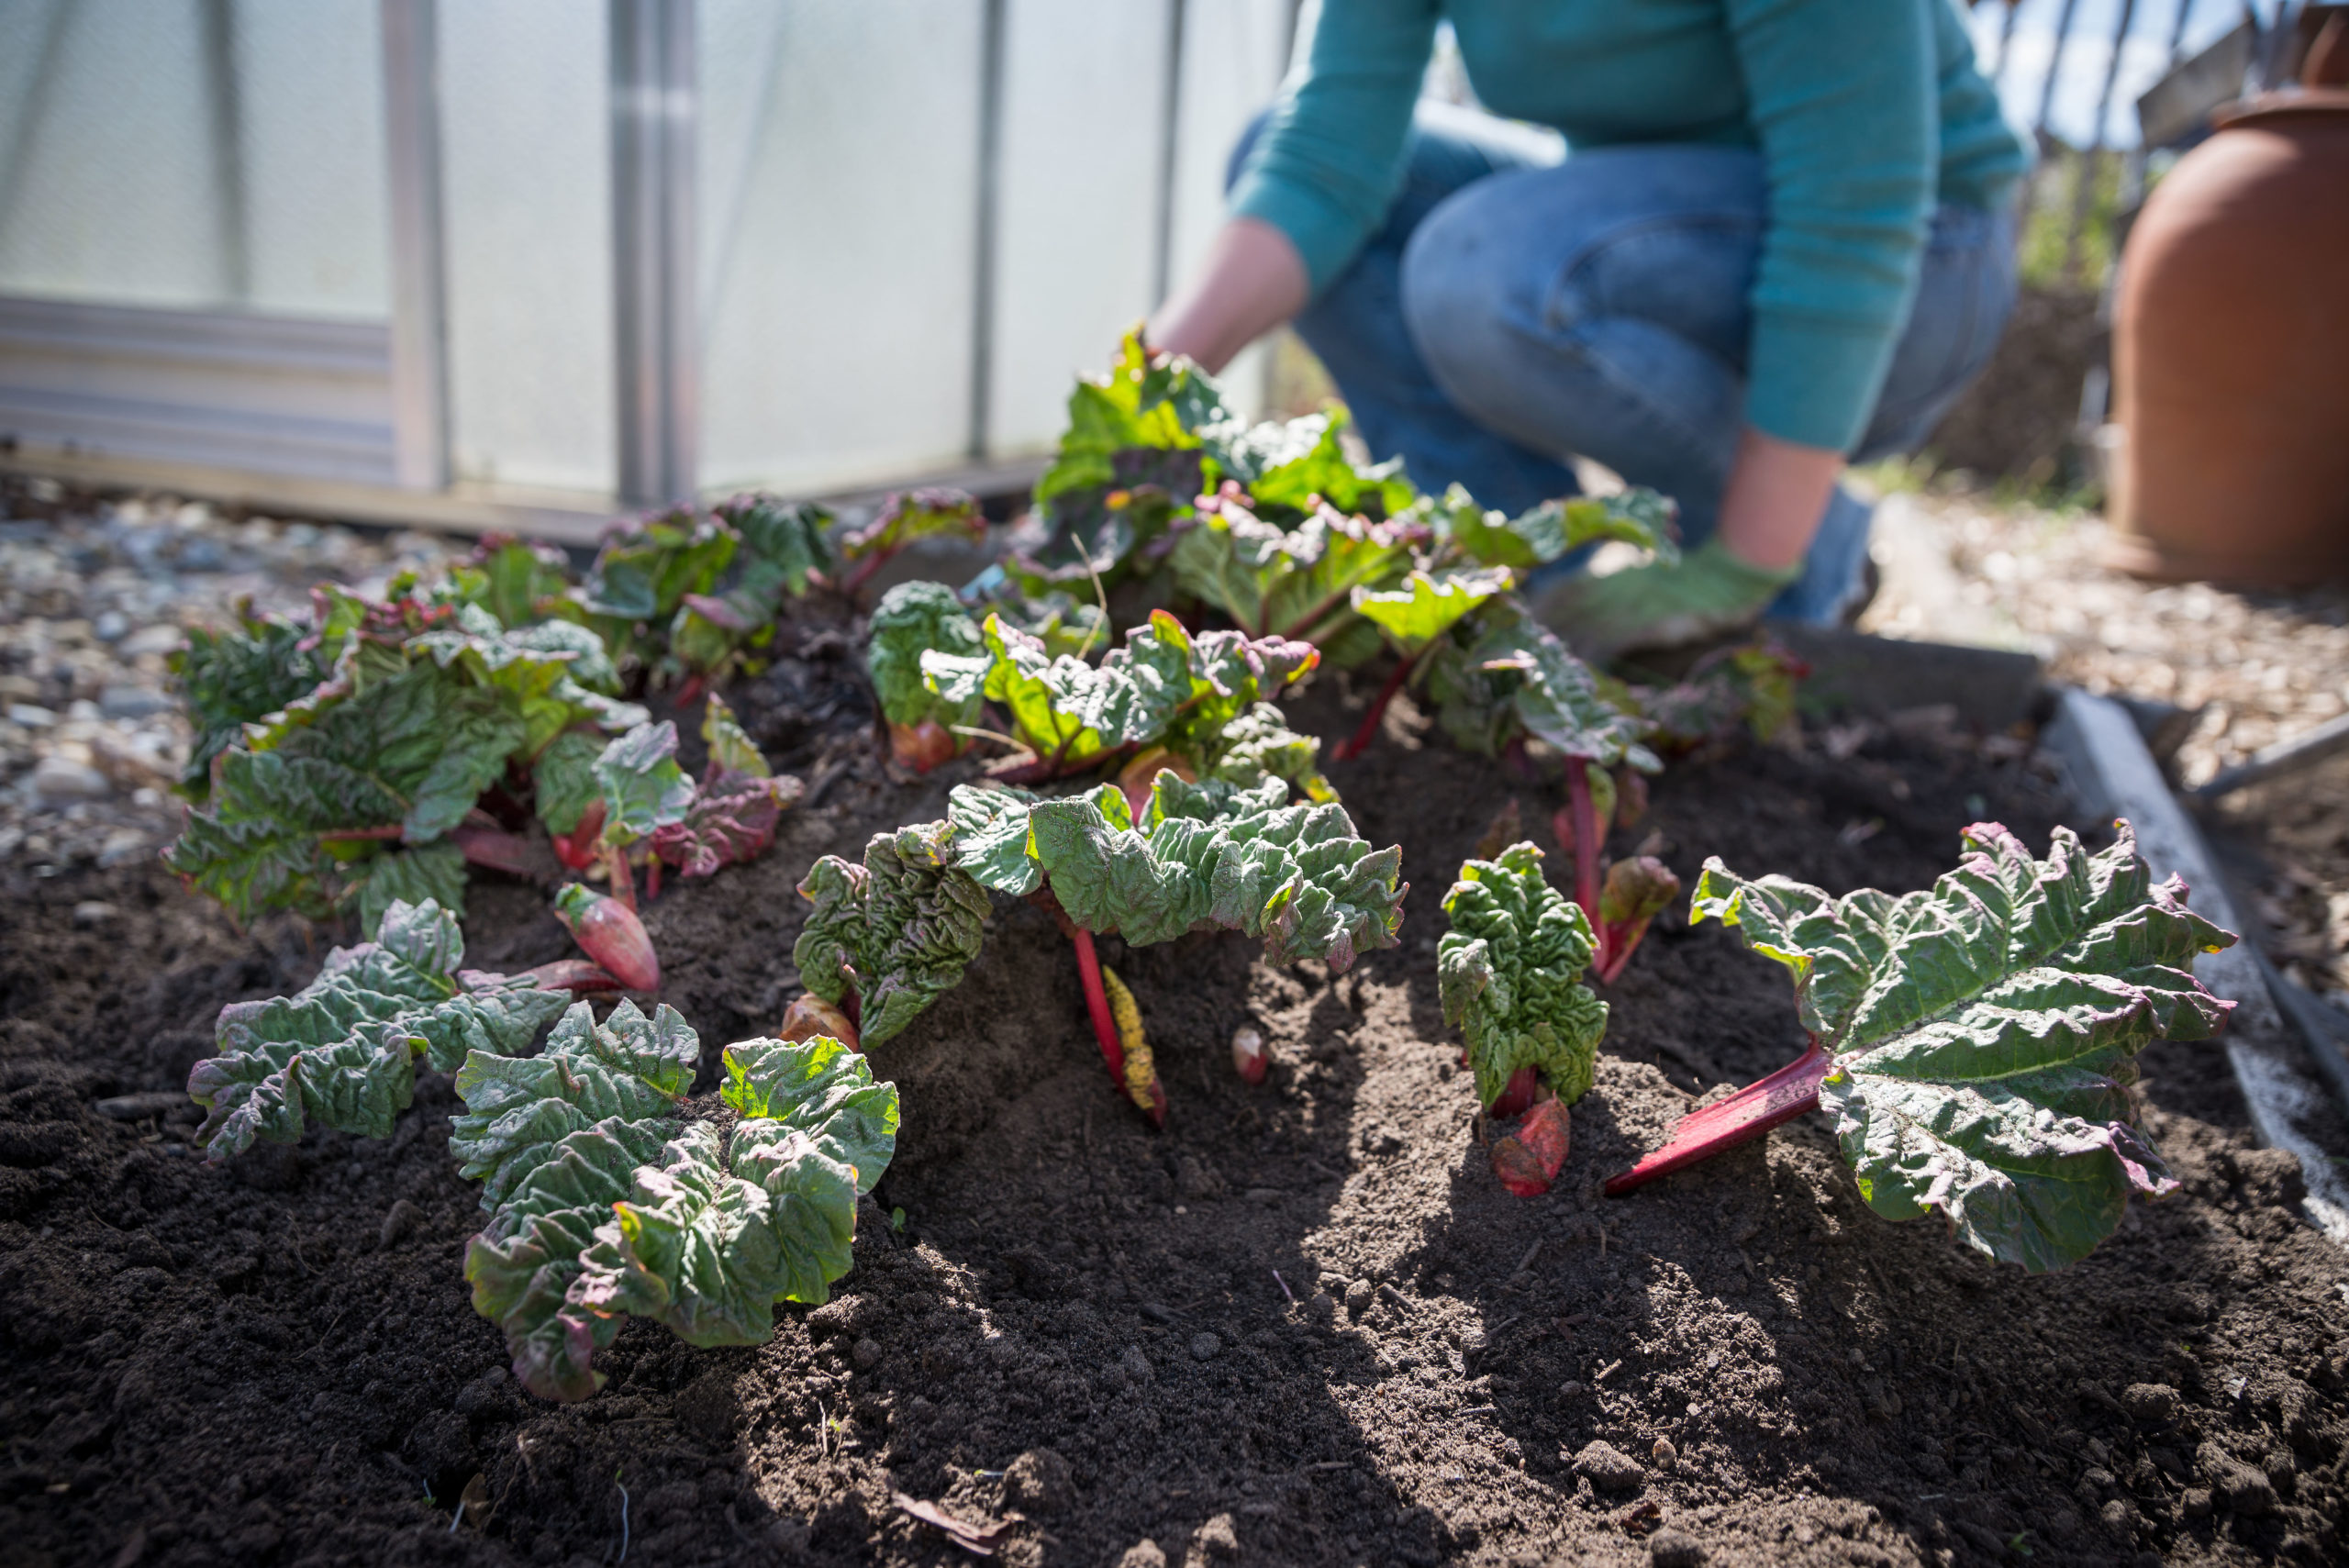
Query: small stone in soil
(59, 781)
(1669, 1548)
(1217, 1538)
(1143, 1554)
(2151, 1404)
(1203, 1345)
(1039, 1482)
(1665, 1454)
(1609, 1467)
(398, 1220)
(1358, 1296)
(93, 912)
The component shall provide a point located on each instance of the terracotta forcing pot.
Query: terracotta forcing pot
(2231, 355)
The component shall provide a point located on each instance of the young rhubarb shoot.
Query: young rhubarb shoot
(1509, 971)
(810, 1015)
(609, 932)
(1637, 891)
(1976, 1042)
(912, 619)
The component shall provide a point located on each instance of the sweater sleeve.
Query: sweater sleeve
(1330, 159)
(1843, 97)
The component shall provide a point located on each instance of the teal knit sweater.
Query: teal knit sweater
(1866, 112)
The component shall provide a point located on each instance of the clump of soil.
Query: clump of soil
(1302, 1325)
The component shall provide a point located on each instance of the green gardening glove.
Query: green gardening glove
(1706, 593)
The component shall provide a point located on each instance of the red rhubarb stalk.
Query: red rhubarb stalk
(494, 849)
(1097, 1002)
(1515, 1096)
(578, 848)
(623, 880)
(1588, 843)
(1744, 1117)
(652, 878)
(1368, 730)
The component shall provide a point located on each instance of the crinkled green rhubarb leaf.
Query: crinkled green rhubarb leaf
(643, 788)
(564, 778)
(731, 749)
(1519, 679)
(784, 547)
(1510, 970)
(822, 1088)
(342, 1051)
(1163, 686)
(1259, 745)
(1635, 516)
(1206, 855)
(629, 1066)
(283, 827)
(517, 581)
(233, 676)
(911, 515)
(708, 1250)
(1983, 1032)
(1137, 405)
(1427, 605)
(435, 872)
(1295, 583)
(1062, 622)
(898, 930)
(645, 570)
(1289, 464)
(911, 619)
(525, 1260)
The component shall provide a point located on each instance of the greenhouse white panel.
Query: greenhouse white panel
(1085, 98)
(526, 148)
(175, 154)
(838, 187)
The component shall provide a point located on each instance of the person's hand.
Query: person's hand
(1705, 594)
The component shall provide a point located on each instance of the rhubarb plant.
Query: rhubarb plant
(887, 939)
(1164, 698)
(926, 728)
(356, 792)
(693, 595)
(1519, 686)
(1976, 1042)
(1445, 600)
(648, 813)
(1509, 971)
(605, 1202)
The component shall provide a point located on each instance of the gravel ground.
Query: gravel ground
(93, 594)
(2246, 670)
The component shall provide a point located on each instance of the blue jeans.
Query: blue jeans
(1515, 310)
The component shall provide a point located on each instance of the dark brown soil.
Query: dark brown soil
(1301, 1325)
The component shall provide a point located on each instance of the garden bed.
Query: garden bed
(275, 1360)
